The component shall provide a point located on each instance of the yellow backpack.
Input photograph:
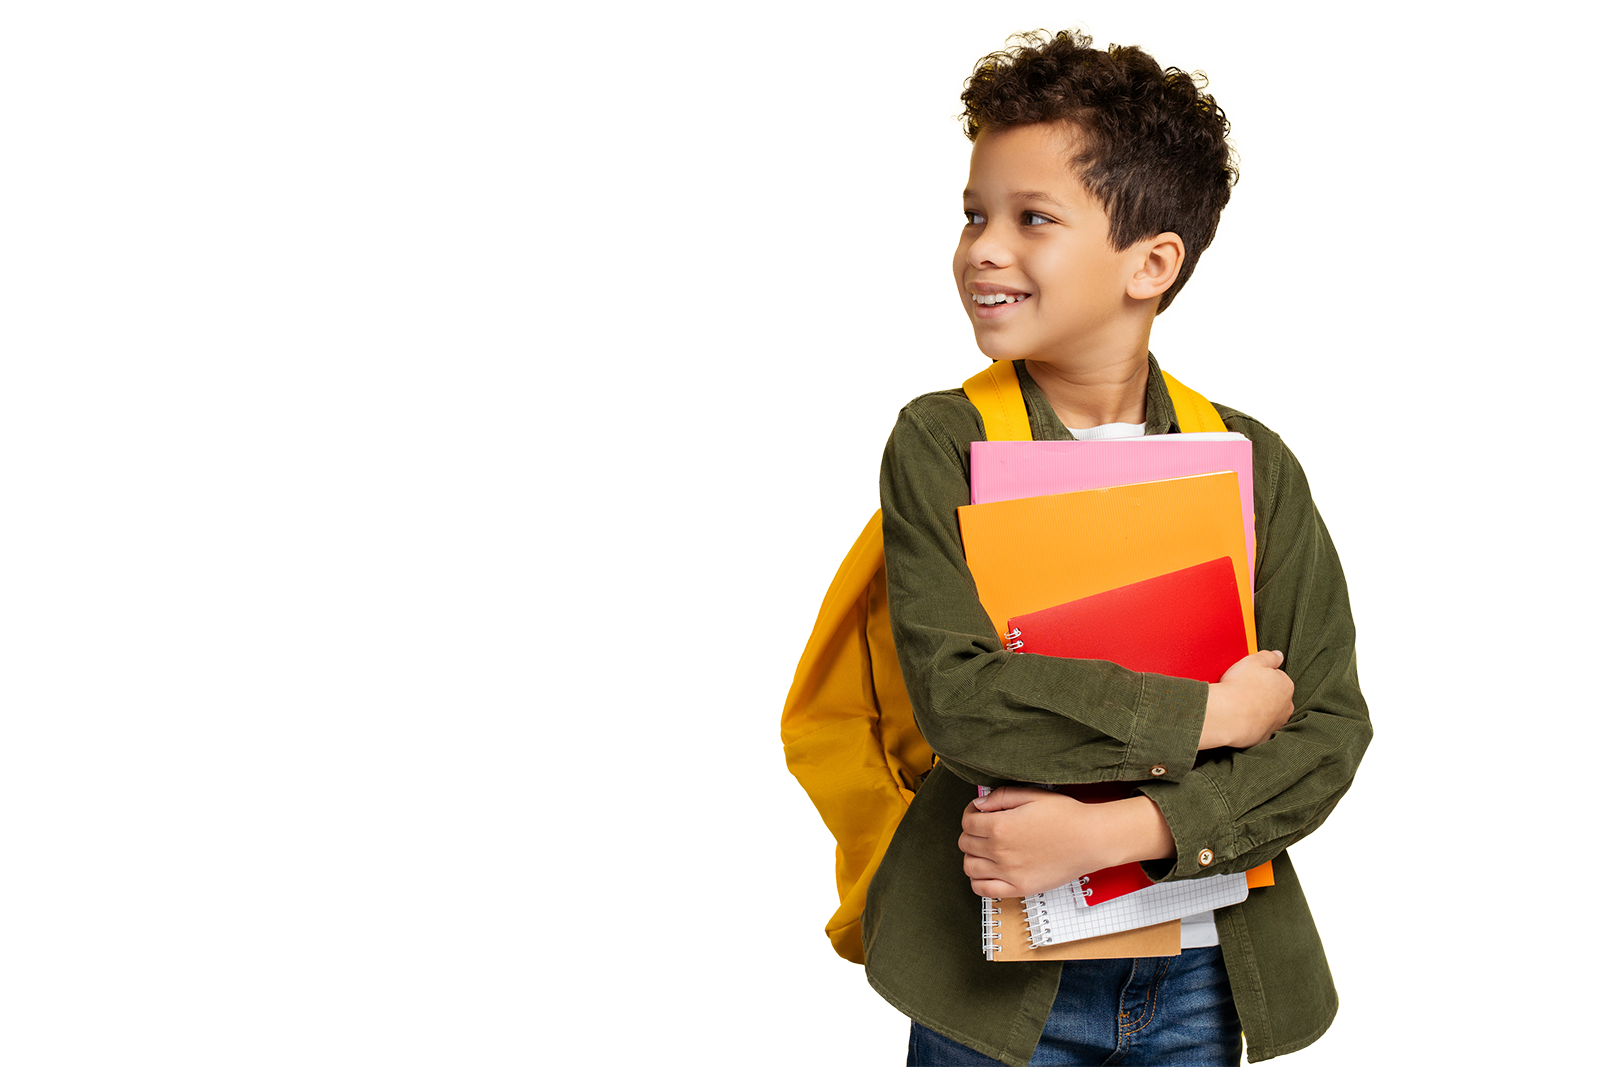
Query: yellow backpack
(848, 731)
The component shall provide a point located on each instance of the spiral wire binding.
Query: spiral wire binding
(1014, 639)
(1037, 922)
(991, 928)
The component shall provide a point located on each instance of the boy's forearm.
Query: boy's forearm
(1019, 840)
(1135, 831)
(1044, 721)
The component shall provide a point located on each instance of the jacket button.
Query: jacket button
(1205, 857)
(1157, 771)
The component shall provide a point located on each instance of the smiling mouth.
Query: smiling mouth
(998, 298)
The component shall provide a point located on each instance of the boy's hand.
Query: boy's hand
(1019, 840)
(1252, 702)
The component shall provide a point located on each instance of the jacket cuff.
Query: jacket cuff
(1166, 729)
(1202, 829)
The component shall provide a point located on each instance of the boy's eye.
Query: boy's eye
(1033, 218)
(973, 218)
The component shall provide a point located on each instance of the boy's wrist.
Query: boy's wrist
(1134, 831)
(1214, 730)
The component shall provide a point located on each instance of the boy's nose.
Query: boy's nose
(988, 250)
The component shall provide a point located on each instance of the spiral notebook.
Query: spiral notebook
(1005, 938)
(1187, 623)
(1056, 916)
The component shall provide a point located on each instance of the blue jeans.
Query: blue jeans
(1162, 1010)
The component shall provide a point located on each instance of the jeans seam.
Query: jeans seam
(1149, 1000)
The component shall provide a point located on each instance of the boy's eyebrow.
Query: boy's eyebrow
(1027, 196)
(1033, 197)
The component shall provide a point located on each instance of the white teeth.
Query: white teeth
(999, 298)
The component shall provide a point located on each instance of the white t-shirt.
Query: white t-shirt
(1109, 432)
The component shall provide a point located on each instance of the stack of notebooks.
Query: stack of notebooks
(1138, 551)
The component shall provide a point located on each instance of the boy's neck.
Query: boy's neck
(1112, 390)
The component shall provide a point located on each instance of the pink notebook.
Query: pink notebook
(1009, 470)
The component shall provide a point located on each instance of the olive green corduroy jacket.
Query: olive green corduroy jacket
(994, 716)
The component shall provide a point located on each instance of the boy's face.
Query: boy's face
(1036, 235)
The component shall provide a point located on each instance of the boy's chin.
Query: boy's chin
(1002, 341)
(991, 347)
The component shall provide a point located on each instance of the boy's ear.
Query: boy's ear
(1157, 267)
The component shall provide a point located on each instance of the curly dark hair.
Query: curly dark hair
(1153, 148)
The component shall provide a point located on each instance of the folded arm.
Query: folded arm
(994, 716)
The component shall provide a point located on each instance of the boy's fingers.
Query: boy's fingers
(991, 801)
(985, 878)
(978, 867)
(1267, 659)
(971, 844)
(1007, 796)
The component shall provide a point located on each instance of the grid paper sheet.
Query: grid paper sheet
(1054, 917)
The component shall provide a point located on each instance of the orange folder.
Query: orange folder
(1036, 552)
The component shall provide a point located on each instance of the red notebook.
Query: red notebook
(1186, 624)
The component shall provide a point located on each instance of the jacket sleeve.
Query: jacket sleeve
(1241, 807)
(990, 714)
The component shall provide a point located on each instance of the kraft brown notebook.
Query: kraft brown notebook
(1005, 938)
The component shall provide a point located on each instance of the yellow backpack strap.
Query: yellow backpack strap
(995, 392)
(1193, 411)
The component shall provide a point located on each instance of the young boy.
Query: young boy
(1097, 180)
